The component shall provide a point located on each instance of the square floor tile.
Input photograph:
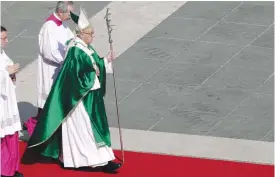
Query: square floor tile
(179, 28)
(230, 33)
(255, 58)
(269, 137)
(136, 69)
(123, 88)
(185, 74)
(266, 40)
(28, 48)
(257, 106)
(251, 14)
(205, 53)
(134, 117)
(205, 10)
(242, 128)
(183, 121)
(39, 10)
(266, 3)
(151, 48)
(239, 78)
(267, 87)
(216, 100)
(158, 95)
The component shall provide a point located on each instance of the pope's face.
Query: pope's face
(88, 36)
(4, 39)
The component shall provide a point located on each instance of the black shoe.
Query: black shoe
(17, 174)
(111, 167)
(24, 127)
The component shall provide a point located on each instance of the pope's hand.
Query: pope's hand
(110, 56)
(13, 68)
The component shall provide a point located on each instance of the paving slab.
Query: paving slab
(146, 57)
(207, 53)
(152, 48)
(205, 10)
(26, 48)
(266, 3)
(244, 78)
(185, 74)
(242, 128)
(266, 40)
(187, 122)
(134, 116)
(252, 14)
(269, 136)
(255, 58)
(258, 106)
(267, 87)
(124, 88)
(135, 69)
(183, 28)
(5, 5)
(213, 99)
(38, 9)
(232, 33)
(153, 95)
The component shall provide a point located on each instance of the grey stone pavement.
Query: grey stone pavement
(205, 70)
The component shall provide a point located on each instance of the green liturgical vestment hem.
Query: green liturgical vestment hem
(73, 85)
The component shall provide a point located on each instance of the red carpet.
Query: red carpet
(152, 165)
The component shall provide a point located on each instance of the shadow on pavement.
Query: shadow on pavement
(26, 110)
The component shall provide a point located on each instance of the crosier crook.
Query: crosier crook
(109, 28)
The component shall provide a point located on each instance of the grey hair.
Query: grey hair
(63, 6)
(77, 31)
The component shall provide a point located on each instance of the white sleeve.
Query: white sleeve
(96, 84)
(51, 48)
(108, 66)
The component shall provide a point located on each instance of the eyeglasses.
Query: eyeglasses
(90, 34)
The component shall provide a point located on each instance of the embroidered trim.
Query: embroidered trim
(9, 122)
(86, 50)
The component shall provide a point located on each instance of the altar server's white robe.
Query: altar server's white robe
(9, 114)
(52, 49)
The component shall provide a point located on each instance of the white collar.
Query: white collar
(56, 16)
(77, 39)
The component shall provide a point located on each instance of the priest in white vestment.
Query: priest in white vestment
(52, 40)
(9, 114)
(73, 125)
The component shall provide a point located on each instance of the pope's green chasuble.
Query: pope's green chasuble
(75, 83)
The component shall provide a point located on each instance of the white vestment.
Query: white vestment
(78, 142)
(9, 114)
(52, 49)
